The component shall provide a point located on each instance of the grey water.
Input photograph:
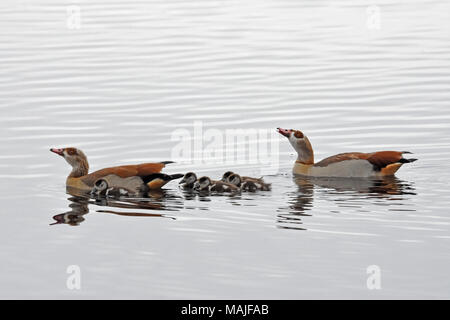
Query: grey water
(119, 78)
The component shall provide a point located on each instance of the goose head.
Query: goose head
(301, 144)
(76, 158)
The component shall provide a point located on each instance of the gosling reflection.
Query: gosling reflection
(343, 191)
(159, 200)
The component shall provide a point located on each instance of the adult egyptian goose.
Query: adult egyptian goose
(350, 165)
(81, 179)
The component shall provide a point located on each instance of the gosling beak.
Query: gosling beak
(183, 181)
(59, 152)
(284, 132)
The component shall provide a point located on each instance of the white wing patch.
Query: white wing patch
(348, 168)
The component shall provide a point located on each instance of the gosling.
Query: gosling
(249, 184)
(188, 181)
(206, 184)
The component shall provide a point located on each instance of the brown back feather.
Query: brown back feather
(140, 170)
(384, 158)
(342, 157)
(378, 159)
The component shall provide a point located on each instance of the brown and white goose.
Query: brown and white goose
(81, 179)
(350, 165)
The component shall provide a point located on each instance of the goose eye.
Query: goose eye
(71, 151)
(299, 134)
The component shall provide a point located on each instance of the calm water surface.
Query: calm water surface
(136, 71)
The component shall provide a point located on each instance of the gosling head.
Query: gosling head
(189, 178)
(226, 175)
(203, 183)
(100, 187)
(235, 179)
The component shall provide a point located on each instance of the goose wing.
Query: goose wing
(140, 170)
(379, 160)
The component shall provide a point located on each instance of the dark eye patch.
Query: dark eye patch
(71, 151)
(99, 183)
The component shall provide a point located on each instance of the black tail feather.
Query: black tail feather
(161, 176)
(167, 162)
(408, 160)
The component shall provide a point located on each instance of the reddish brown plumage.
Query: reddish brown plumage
(140, 170)
(71, 151)
(378, 159)
(340, 157)
(384, 158)
(298, 134)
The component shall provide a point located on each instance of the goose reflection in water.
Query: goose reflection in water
(344, 192)
(79, 208)
(160, 200)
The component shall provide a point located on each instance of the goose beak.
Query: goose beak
(59, 152)
(59, 219)
(284, 132)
